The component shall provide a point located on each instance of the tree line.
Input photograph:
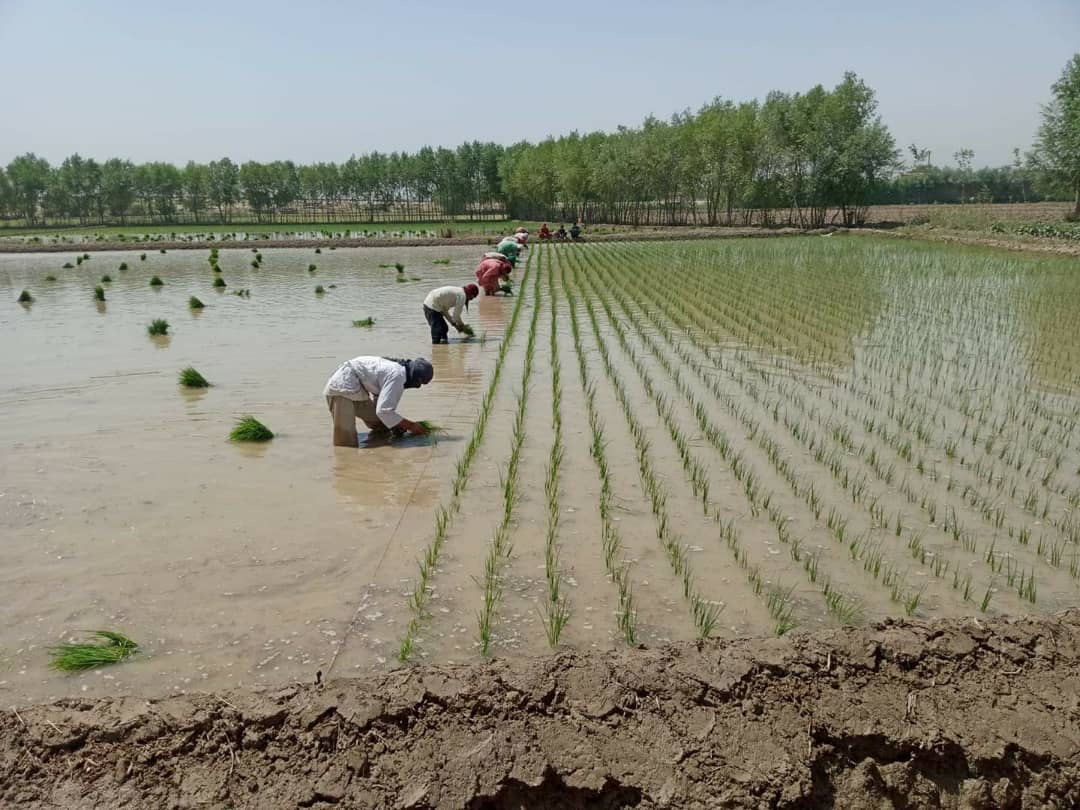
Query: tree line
(806, 159)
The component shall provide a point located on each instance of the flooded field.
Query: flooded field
(652, 442)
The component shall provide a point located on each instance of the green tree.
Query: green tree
(117, 187)
(223, 185)
(195, 182)
(1056, 156)
(29, 177)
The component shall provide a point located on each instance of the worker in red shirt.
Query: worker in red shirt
(493, 272)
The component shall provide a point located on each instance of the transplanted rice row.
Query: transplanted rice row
(421, 592)
(490, 582)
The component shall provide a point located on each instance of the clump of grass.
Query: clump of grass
(25, 297)
(68, 265)
(99, 293)
(250, 429)
(399, 267)
(195, 303)
(190, 378)
(156, 281)
(106, 279)
(319, 289)
(219, 281)
(123, 266)
(158, 326)
(110, 648)
(369, 321)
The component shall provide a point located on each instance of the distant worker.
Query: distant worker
(509, 248)
(445, 304)
(369, 389)
(493, 273)
(561, 233)
(522, 237)
(545, 233)
(575, 231)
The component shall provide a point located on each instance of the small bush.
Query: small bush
(195, 303)
(219, 281)
(250, 429)
(158, 326)
(99, 293)
(156, 281)
(25, 297)
(190, 378)
(364, 322)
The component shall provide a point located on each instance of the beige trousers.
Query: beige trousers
(344, 413)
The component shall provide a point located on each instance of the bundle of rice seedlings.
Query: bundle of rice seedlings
(123, 266)
(243, 293)
(162, 250)
(311, 268)
(158, 326)
(106, 279)
(318, 250)
(110, 648)
(190, 378)
(142, 258)
(219, 281)
(467, 330)
(250, 429)
(195, 303)
(401, 280)
(68, 265)
(399, 267)
(440, 261)
(156, 281)
(319, 289)
(254, 264)
(78, 260)
(99, 293)
(50, 277)
(364, 322)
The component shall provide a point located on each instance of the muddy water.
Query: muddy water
(123, 506)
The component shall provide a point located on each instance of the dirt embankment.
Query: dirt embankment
(951, 713)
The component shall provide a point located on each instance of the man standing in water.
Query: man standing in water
(369, 388)
(445, 304)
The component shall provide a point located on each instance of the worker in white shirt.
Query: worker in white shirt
(369, 389)
(445, 304)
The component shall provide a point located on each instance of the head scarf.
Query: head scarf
(418, 371)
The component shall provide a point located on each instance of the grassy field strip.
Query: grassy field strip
(421, 591)
(860, 544)
(843, 606)
(704, 612)
(993, 515)
(491, 581)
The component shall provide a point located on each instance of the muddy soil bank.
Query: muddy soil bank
(951, 713)
(649, 234)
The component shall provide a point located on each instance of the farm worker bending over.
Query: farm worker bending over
(522, 237)
(369, 388)
(492, 273)
(445, 304)
(509, 248)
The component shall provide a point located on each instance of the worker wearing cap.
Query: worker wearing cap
(445, 304)
(369, 389)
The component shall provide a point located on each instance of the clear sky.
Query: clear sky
(320, 80)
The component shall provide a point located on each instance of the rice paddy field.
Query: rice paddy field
(649, 442)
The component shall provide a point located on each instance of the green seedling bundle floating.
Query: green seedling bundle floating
(250, 429)
(106, 279)
(123, 266)
(191, 378)
(155, 281)
(195, 303)
(364, 322)
(219, 281)
(319, 289)
(158, 327)
(99, 293)
(25, 297)
(108, 648)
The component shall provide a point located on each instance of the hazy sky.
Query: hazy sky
(321, 80)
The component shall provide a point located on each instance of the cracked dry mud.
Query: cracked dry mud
(949, 713)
